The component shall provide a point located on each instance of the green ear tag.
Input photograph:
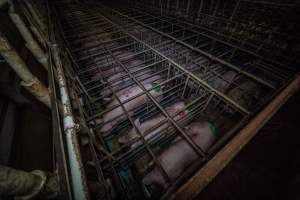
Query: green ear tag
(155, 87)
(213, 129)
(189, 108)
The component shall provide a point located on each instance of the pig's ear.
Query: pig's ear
(137, 122)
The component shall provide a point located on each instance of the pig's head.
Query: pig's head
(203, 133)
(156, 89)
(131, 135)
(196, 128)
(155, 183)
(178, 109)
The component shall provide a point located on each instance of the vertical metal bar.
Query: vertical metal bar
(235, 9)
(200, 8)
(188, 5)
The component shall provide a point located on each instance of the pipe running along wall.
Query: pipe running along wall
(27, 185)
(30, 42)
(29, 81)
(78, 178)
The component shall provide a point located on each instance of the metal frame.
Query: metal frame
(157, 53)
(252, 73)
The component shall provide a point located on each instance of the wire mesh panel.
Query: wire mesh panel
(157, 107)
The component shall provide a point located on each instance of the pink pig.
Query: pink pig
(177, 109)
(176, 158)
(223, 83)
(113, 117)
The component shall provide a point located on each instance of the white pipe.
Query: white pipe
(79, 184)
(29, 81)
(31, 44)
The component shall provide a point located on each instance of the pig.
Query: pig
(108, 72)
(123, 54)
(117, 82)
(178, 109)
(113, 70)
(243, 94)
(180, 155)
(132, 66)
(223, 83)
(111, 119)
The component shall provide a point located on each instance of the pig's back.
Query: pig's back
(176, 158)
